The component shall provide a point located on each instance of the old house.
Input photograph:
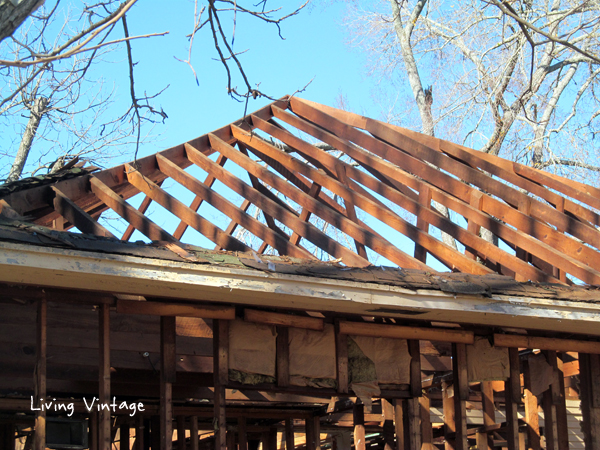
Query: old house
(353, 314)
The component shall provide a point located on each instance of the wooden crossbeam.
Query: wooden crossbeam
(129, 213)
(197, 202)
(286, 320)
(292, 221)
(192, 218)
(403, 332)
(544, 343)
(233, 224)
(552, 245)
(462, 171)
(407, 202)
(350, 207)
(315, 189)
(175, 309)
(68, 209)
(357, 232)
(276, 240)
(142, 208)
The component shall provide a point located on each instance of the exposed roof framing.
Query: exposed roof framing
(284, 187)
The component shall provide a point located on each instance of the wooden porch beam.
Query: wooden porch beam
(461, 393)
(544, 343)
(167, 378)
(104, 427)
(221, 378)
(285, 320)
(403, 332)
(175, 309)
(40, 379)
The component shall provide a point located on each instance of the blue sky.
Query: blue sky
(314, 49)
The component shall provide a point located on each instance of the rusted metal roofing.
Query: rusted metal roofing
(312, 182)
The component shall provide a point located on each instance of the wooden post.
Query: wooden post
(449, 422)
(399, 423)
(415, 368)
(155, 435)
(532, 416)
(489, 412)
(550, 402)
(512, 398)
(283, 357)
(194, 433)
(242, 434)
(139, 433)
(180, 432)
(413, 424)
(359, 427)
(167, 378)
(317, 431)
(231, 440)
(589, 369)
(290, 442)
(93, 431)
(341, 348)
(388, 424)
(104, 426)
(426, 430)
(124, 437)
(561, 408)
(461, 393)
(424, 202)
(221, 377)
(309, 427)
(40, 380)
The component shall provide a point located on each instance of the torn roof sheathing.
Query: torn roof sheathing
(313, 182)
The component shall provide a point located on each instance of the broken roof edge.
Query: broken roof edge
(489, 285)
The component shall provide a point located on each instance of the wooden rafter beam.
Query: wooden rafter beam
(377, 244)
(552, 245)
(192, 218)
(402, 332)
(142, 208)
(292, 221)
(237, 214)
(68, 209)
(175, 309)
(129, 213)
(543, 343)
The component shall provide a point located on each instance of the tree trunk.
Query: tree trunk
(12, 14)
(422, 100)
(38, 110)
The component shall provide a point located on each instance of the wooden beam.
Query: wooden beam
(458, 190)
(221, 378)
(93, 431)
(489, 413)
(402, 332)
(354, 230)
(175, 309)
(422, 224)
(388, 424)
(413, 418)
(139, 433)
(273, 208)
(40, 379)
(449, 416)
(290, 441)
(350, 208)
(283, 357)
(242, 434)
(590, 399)
(233, 224)
(461, 394)
(124, 437)
(189, 216)
(543, 343)
(561, 405)
(399, 424)
(532, 417)
(129, 213)
(317, 432)
(512, 398)
(341, 357)
(285, 320)
(168, 367)
(416, 384)
(142, 209)
(194, 439)
(426, 429)
(180, 433)
(68, 209)
(359, 427)
(550, 403)
(197, 202)
(104, 427)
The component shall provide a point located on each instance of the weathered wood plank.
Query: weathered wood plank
(285, 320)
(68, 209)
(461, 393)
(104, 427)
(544, 343)
(40, 379)
(167, 378)
(175, 309)
(403, 332)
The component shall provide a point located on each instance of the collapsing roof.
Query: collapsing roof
(347, 197)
